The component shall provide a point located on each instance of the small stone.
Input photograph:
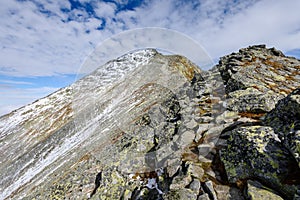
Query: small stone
(225, 192)
(227, 117)
(173, 166)
(213, 134)
(203, 197)
(192, 124)
(204, 149)
(222, 191)
(180, 182)
(183, 193)
(206, 119)
(127, 194)
(186, 138)
(195, 186)
(210, 173)
(204, 161)
(209, 188)
(196, 171)
(147, 193)
(202, 129)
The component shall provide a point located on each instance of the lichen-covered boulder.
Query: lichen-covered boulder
(285, 120)
(255, 152)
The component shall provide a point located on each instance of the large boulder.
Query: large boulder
(285, 120)
(255, 152)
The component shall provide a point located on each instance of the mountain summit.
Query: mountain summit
(151, 126)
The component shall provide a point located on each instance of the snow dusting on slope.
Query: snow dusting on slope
(25, 158)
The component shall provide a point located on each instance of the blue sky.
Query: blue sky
(44, 42)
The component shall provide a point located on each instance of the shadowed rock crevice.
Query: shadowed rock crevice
(97, 183)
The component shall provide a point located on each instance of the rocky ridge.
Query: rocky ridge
(148, 126)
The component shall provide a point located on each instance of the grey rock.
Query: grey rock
(285, 120)
(186, 138)
(225, 192)
(180, 182)
(192, 124)
(173, 166)
(203, 197)
(202, 129)
(180, 194)
(195, 186)
(196, 171)
(205, 149)
(252, 100)
(209, 188)
(256, 79)
(255, 152)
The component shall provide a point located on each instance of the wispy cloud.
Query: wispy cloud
(15, 82)
(46, 38)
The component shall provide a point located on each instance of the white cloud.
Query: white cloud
(106, 10)
(265, 22)
(225, 26)
(34, 44)
(48, 38)
(48, 44)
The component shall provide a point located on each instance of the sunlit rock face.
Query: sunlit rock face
(150, 126)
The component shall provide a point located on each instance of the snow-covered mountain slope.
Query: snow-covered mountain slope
(43, 137)
(24, 133)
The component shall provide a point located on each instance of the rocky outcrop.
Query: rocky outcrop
(255, 152)
(257, 77)
(261, 85)
(149, 126)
